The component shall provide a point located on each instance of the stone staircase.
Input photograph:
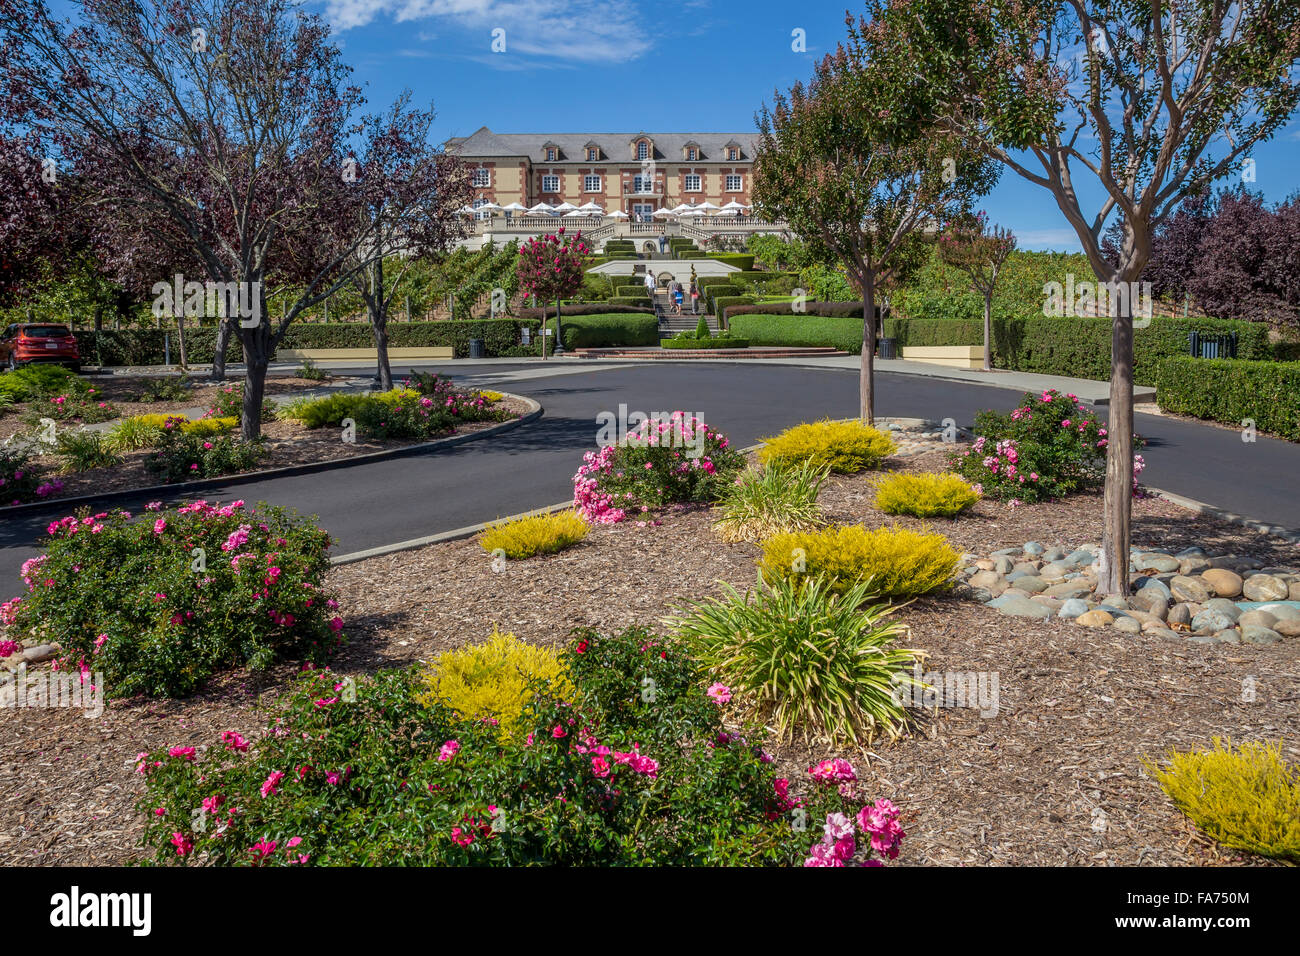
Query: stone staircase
(670, 324)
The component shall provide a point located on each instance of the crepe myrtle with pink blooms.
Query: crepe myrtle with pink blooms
(551, 268)
(676, 460)
(602, 777)
(161, 602)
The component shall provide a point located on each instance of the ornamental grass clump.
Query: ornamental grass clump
(536, 534)
(1246, 797)
(769, 500)
(640, 762)
(900, 563)
(845, 447)
(805, 659)
(926, 495)
(160, 604)
(666, 460)
(495, 681)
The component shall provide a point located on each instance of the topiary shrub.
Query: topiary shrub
(702, 330)
(927, 495)
(365, 772)
(899, 563)
(496, 680)
(1246, 798)
(160, 605)
(536, 534)
(846, 447)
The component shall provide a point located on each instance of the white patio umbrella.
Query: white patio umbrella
(707, 206)
(488, 207)
(575, 214)
(591, 207)
(542, 209)
(514, 207)
(465, 211)
(565, 207)
(662, 213)
(735, 206)
(618, 214)
(724, 211)
(692, 214)
(681, 208)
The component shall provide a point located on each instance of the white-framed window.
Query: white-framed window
(550, 154)
(642, 150)
(482, 178)
(643, 184)
(734, 183)
(591, 184)
(593, 154)
(481, 215)
(550, 184)
(692, 154)
(733, 153)
(692, 183)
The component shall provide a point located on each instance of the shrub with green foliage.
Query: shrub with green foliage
(34, 382)
(926, 495)
(82, 450)
(846, 447)
(131, 600)
(186, 456)
(779, 325)
(608, 330)
(615, 776)
(1246, 797)
(741, 260)
(804, 657)
(899, 563)
(21, 479)
(166, 390)
(1048, 447)
(1233, 390)
(687, 340)
(766, 501)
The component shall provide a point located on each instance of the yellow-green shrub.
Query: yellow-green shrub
(925, 495)
(209, 426)
(901, 563)
(845, 447)
(495, 680)
(540, 534)
(1247, 798)
(491, 397)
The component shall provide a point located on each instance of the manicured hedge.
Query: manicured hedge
(1232, 390)
(607, 330)
(631, 300)
(743, 260)
(841, 332)
(632, 291)
(585, 308)
(722, 303)
(145, 346)
(723, 342)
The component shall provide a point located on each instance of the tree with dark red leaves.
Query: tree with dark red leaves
(552, 267)
(219, 128)
(410, 193)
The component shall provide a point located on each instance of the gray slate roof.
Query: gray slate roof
(615, 148)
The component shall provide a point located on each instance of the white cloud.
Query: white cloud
(593, 31)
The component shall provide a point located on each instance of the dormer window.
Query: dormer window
(733, 153)
(643, 150)
(550, 154)
(692, 154)
(691, 151)
(593, 154)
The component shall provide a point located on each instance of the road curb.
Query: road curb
(186, 487)
(1200, 507)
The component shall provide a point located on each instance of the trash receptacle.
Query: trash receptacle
(888, 348)
(476, 349)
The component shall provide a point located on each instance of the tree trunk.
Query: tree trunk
(1113, 577)
(866, 374)
(988, 337)
(257, 354)
(180, 339)
(219, 357)
(378, 307)
(99, 318)
(559, 340)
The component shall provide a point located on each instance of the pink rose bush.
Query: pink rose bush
(665, 461)
(161, 604)
(605, 777)
(1049, 446)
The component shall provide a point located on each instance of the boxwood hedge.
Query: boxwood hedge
(1233, 390)
(607, 330)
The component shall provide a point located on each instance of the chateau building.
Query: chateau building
(634, 173)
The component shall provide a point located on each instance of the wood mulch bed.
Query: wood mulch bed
(1078, 708)
(289, 443)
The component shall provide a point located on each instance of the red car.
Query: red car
(39, 342)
